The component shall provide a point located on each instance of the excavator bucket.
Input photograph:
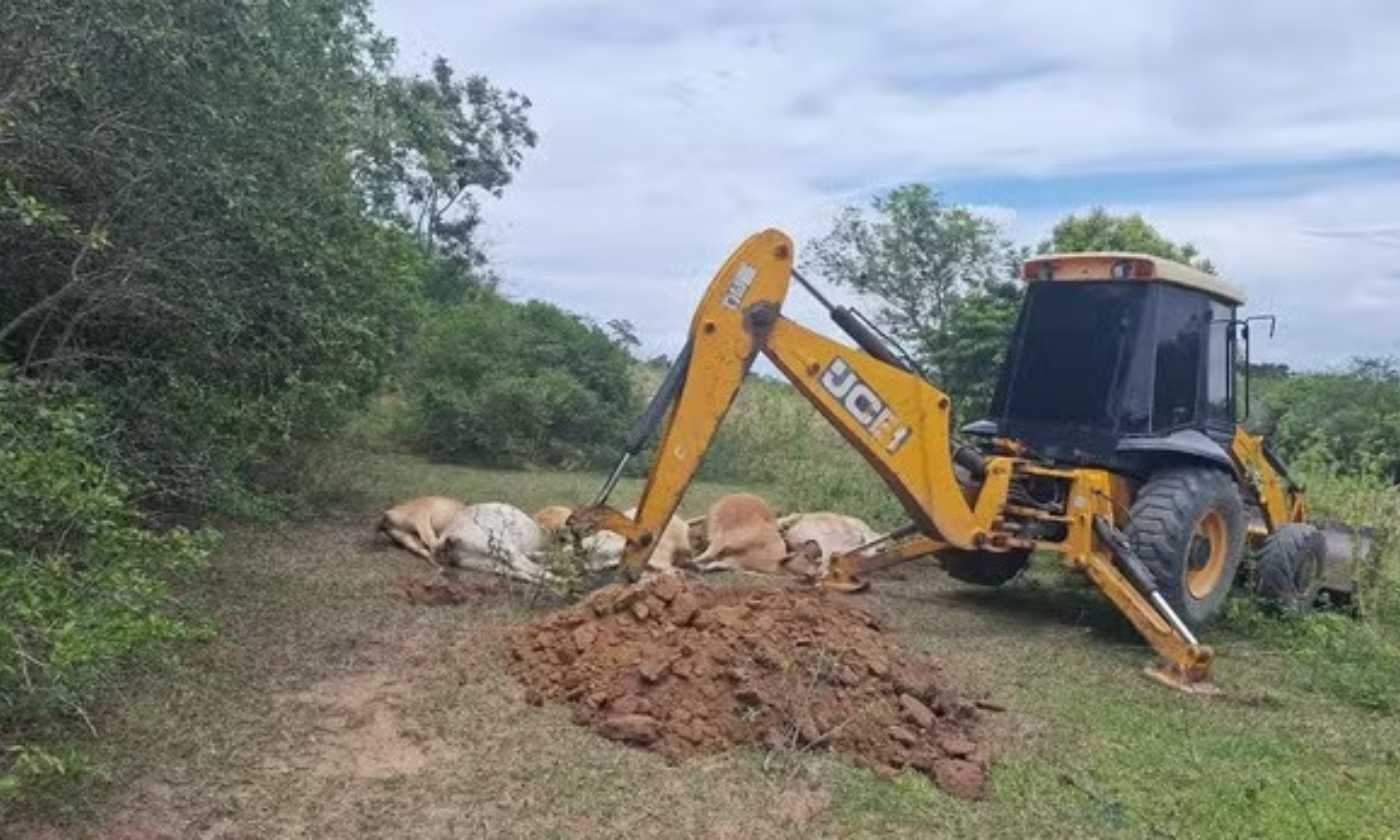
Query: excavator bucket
(1350, 557)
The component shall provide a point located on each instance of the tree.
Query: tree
(624, 332)
(190, 233)
(928, 264)
(433, 145)
(1098, 230)
(972, 348)
(513, 385)
(1349, 418)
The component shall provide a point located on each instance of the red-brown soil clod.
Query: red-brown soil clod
(683, 669)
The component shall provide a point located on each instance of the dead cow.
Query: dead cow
(604, 549)
(497, 538)
(743, 535)
(813, 538)
(418, 524)
(552, 518)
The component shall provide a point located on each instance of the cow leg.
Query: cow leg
(408, 542)
(430, 540)
(518, 565)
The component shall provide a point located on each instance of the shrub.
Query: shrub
(85, 583)
(507, 384)
(1348, 418)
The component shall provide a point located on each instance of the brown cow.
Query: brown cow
(418, 524)
(743, 535)
(552, 518)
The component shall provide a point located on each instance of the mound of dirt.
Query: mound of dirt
(683, 669)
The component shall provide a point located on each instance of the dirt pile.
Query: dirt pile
(682, 669)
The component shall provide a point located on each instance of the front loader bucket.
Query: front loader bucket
(1350, 557)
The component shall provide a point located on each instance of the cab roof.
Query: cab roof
(1122, 265)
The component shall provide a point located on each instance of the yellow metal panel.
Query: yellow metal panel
(897, 421)
(1279, 505)
(759, 271)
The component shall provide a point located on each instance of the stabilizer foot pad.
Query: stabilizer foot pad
(1172, 677)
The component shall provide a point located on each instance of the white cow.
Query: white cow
(498, 538)
(814, 538)
(604, 548)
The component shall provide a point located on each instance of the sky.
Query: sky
(1267, 133)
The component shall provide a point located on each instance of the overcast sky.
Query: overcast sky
(1268, 133)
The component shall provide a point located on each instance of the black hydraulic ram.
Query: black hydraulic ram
(642, 430)
(1139, 576)
(862, 332)
(872, 340)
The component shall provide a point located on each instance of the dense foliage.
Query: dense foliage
(222, 226)
(1099, 230)
(85, 582)
(223, 219)
(1349, 418)
(513, 384)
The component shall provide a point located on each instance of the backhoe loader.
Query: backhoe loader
(1112, 441)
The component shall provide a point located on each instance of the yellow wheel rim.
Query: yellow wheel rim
(1205, 555)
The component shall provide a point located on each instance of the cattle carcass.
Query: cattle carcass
(742, 535)
(604, 549)
(418, 524)
(814, 538)
(552, 518)
(497, 538)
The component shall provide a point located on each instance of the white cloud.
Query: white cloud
(671, 130)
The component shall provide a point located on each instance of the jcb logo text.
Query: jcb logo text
(862, 403)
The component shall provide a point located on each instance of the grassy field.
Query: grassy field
(328, 707)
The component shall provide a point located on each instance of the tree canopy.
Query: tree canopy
(1348, 418)
(937, 273)
(225, 220)
(1099, 230)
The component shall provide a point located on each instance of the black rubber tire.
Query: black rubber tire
(1162, 529)
(983, 568)
(1288, 571)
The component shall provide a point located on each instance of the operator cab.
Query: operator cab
(1118, 360)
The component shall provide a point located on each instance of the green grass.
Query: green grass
(1095, 750)
(1088, 748)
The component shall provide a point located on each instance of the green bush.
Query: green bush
(1349, 418)
(507, 384)
(85, 582)
(224, 221)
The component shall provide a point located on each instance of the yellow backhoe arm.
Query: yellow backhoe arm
(1279, 500)
(892, 417)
